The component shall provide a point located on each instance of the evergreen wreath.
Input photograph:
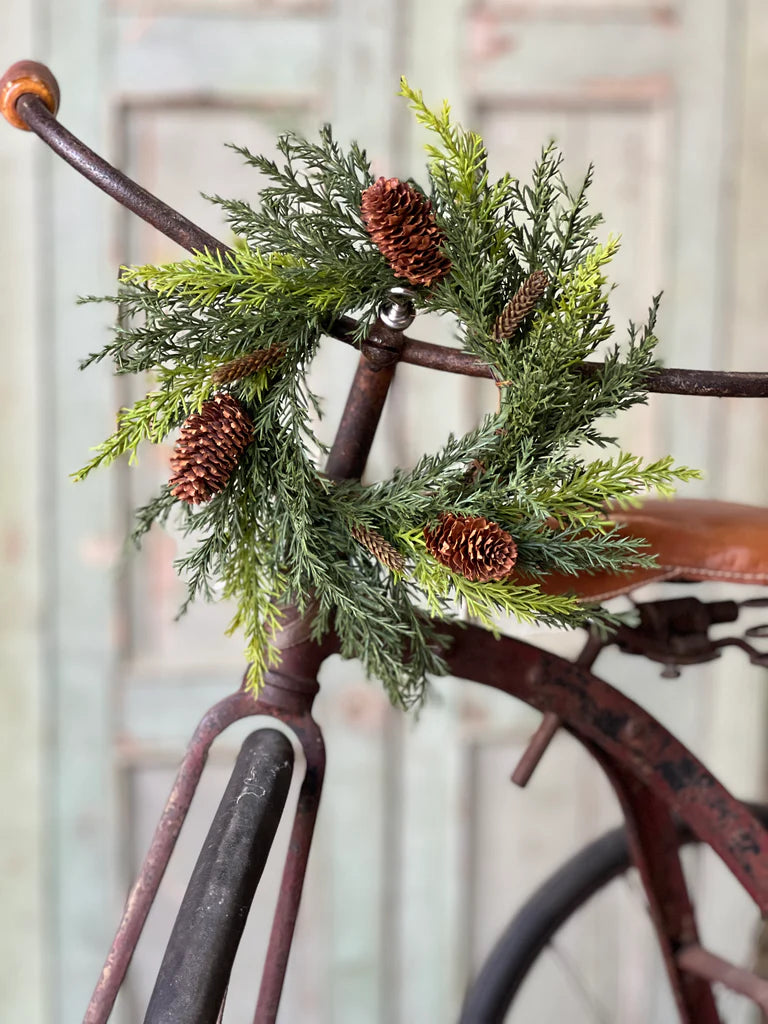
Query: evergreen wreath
(474, 527)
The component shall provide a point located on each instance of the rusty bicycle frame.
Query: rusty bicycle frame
(654, 776)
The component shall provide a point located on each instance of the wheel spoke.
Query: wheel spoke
(596, 1008)
(623, 927)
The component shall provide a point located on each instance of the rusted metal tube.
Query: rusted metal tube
(550, 723)
(537, 747)
(669, 380)
(699, 961)
(109, 179)
(420, 353)
(604, 718)
(365, 403)
(287, 695)
(142, 895)
(294, 870)
(662, 381)
(652, 835)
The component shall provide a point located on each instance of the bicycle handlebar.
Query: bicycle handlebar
(29, 96)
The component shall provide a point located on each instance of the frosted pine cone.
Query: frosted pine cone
(471, 546)
(401, 223)
(209, 447)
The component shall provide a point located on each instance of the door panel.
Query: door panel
(419, 828)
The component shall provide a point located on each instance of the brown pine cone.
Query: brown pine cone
(208, 449)
(471, 546)
(401, 223)
(520, 305)
(247, 365)
(380, 548)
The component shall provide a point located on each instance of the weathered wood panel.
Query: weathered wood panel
(80, 534)
(22, 686)
(579, 9)
(410, 877)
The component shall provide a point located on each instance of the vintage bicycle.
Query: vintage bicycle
(668, 797)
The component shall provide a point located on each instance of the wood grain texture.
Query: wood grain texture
(23, 786)
(80, 533)
(219, 53)
(590, 62)
(217, 6)
(579, 8)
(737, 726)
(699, 217)
(392, 922)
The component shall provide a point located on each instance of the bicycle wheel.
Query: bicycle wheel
(198, 960)
(536, 925)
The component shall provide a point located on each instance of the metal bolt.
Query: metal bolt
(397, 310)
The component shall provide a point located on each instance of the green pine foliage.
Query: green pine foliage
(280, 531)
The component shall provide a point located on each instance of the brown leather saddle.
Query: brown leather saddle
(694, 539)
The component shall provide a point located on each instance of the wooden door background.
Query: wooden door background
(423, 846)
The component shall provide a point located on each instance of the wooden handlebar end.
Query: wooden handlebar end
(27, 76)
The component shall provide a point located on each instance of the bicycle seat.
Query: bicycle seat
(694, 539)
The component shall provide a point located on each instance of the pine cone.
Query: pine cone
(208, 449)
(386, 553)
(520, 305)
(247, 365)
(401, 223)
(472, 547)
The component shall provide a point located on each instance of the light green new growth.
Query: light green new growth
(247, 279)
(581, 496)
(152, 418)
(280, 530)
(259, 619)
(484, 602)
(461, 158)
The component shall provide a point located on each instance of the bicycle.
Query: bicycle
(666, 794)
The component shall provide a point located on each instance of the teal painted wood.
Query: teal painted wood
(354, 714)
(708, 63)
(432, 902)
(23, 994)
(738, 726)
(746, 312)
(586, 59)
(211, 54)
(397, 949)
(359, 821)
(79, 531)
(431, 909)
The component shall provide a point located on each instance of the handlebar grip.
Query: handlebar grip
(21, 79)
